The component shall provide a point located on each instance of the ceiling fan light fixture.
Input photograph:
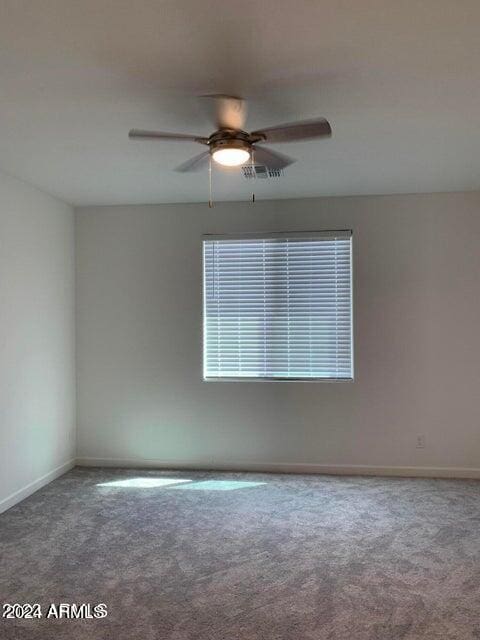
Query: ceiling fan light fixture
(231, 146)
(231, 156)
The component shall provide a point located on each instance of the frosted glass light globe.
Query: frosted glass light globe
(231, 157)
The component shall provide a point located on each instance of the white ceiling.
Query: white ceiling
(398, 80)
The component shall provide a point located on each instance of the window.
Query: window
(278, 307)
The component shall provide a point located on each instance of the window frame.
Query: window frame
(266, 235)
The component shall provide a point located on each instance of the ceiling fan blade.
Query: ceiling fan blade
(160, 135)
(271, 159)
(229, 112)
(195, 164)
(318, 128)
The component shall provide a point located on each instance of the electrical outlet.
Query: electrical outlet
(420, 442)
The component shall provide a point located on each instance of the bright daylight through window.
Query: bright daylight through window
(278, 307)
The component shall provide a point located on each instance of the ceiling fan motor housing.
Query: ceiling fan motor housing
(229, 139)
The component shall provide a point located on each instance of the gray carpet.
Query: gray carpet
(285, 557)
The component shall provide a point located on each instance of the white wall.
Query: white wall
(417, 348)
(37, 377)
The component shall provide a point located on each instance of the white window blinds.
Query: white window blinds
(278, 307)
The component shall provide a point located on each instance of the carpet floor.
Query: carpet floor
(230, 556)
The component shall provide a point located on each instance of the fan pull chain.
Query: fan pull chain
(253, 172)
(210, 198)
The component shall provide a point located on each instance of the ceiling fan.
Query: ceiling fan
(230, 146)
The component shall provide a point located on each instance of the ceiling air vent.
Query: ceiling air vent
(260, 171)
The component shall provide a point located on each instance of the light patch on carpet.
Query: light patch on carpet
(142, 483)
(219, 485)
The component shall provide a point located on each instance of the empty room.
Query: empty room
(239, 318)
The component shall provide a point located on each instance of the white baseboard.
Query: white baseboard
(35, 485)
(286, 467)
